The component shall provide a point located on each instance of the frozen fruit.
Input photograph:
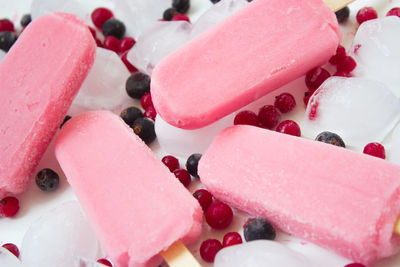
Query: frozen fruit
(343, 14)
(137, 85)
(25, 20)
(315, 77)
(192, 163)
(246, 117)
(114, 28)
(9, 206)
(366, 13)
(125, 44)
(375, 149)
(204, 197)
(258, 228)
(268, 116)
(285, 102)
(183, 176)
(209, 248)
(101, 15)
(144, 128)
(130, 114)
(219, 215)
(170, 13)
(7, 39)
(330, 138)
(231, 238)
(289, 127)
(182, 6)
(47, 180)
(171, 162)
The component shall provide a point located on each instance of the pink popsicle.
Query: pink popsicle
(333, 197)
(255, 51)
(134, 203)
(39, 77)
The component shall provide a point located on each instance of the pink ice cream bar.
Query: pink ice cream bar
(333, 197)
(134, 203)
(255, 51)
(39, 77)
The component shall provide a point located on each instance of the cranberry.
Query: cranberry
(375, 149)
(366, 13)
(289, 127)
(171, 162)
(354, 265)
(101, 15)
(315, 77)
(183, 176)
(340, 55)
(126, 44)
(394, 12)
(307, 96)
(98, 42)
(219, 215)
(111, 43)
(128, 65)
(9, 206)
(347, 64)
(93, 32)
(285, 102)
(150, 113)
(12, 248)
(204, 197)
(246, 117)
(181, 17)
(6, 25)
(146, 101)
(105, 262)
(342, 73)
(232, 238)
(209, 248)
(268, 116)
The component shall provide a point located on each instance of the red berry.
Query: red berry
(183, 176)
(12, 248)
(146, 101)
(232, 238)
(342, 73)
(6, 25)
(340, 55)
(246, 117)
(150, 113)
(204, 197)
(128, 65)
(98, 43)
(315, 77)
(307, 96)
(394, 12)
(111, 43)
(93, 32)
(289, 127)
(347, 64)
(268, 116)
(171, 162)
(101, 15)
(219, 215)
(209, 248)
(126, 44)
(375, 149)
(9, 206)
(355, 265)
(180, 16)
(105, 262)
(285, 102)
(366, 13)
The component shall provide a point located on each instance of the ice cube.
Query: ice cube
(8, 259)
(104, 87)
(260, 253)
(183, 143)
(376, 50)
(157, 42)
(83, 262)
(41, 7)
(394, 146)
(58, 237)
(2, 55)
(139, 14)
(359, 110)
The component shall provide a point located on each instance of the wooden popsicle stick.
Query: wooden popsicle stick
(336, 5)
(397, 227)
(177, 255)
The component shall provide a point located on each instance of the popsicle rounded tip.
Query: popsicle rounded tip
(397, 226)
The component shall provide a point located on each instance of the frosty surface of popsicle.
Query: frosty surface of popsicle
(253, 52)
(39, 77)
(136, 206)
(336, 198)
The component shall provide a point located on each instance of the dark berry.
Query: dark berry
(7, 39)
(289, 127)
(114, 28)
(47, 180)
(394, 12)
(219, 215)
(144, 128)
(182, 6)
(101, 15)
(105, 262)
(12, 248)
(66, 118)
(232, 238)
(6, 25)
(171, 162)
(181, 17)
(170, 13)
(9, 206)
(347, 64)
(204, 197)
(366, 13)
(146, 101)
(25, 20)
(268, 116)
(375, 149)
(192, 164)
(125, 44)
(258, 228)
(137, 85)
(354, 265)
(209, 249)
(330, 138)
(343, 14)
(339, 56)
(246, 117)
(150, 113)
(215, 1)
(129, 115)
(285, 102)
(183, 176)
(111, 43)
(315, 77)
(128, 65)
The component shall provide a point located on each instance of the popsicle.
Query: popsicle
(336, 198)
(134, 203)
(253, 52)
(39, 77)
